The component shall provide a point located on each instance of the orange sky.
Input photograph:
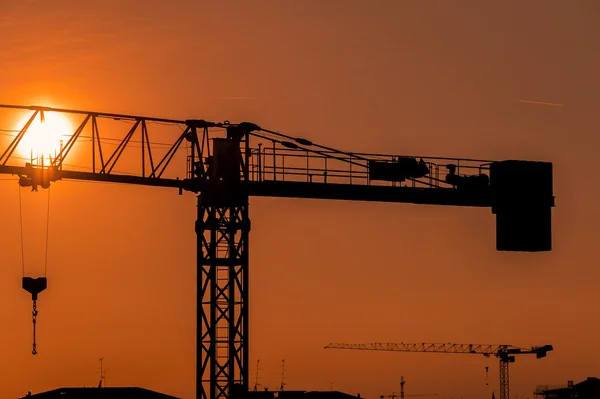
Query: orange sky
(371, 76)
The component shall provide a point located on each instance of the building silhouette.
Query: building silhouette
(99, 393)
(587, 389)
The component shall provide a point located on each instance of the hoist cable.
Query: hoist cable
(47, 233)
(21, 228)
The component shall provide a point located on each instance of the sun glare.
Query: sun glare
(44, 136)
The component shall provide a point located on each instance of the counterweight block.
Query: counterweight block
(522, 203)
(34, 285)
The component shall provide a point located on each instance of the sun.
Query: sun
(44, 136)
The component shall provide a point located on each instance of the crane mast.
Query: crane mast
(226, 163)
(505, 353)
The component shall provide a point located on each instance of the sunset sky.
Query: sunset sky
(478, 79)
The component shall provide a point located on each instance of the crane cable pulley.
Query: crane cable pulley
(34, 285)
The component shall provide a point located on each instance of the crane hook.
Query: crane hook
(34, 286)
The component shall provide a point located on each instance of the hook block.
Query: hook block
(34, 285)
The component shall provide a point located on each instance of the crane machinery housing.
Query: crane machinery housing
(226, 163)
(505, 353)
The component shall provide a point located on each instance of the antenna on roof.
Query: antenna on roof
(282, 375)
(102, 374)
(256, 384)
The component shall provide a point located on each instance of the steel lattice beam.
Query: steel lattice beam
(504, 383)
(222, 357)
(483, 349)
(278, 165)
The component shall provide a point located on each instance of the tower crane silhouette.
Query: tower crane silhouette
(227, 163)
(505, 353)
